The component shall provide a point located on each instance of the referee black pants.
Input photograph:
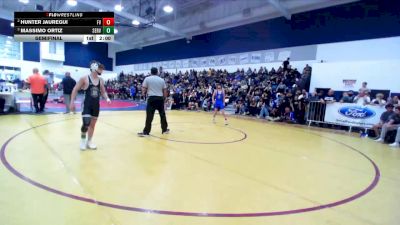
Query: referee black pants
(155, 103)
(38, 102)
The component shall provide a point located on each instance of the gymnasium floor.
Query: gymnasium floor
(249, 173)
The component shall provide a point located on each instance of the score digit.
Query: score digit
(108, 30)
(108, 21)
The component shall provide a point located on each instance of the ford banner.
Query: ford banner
(353, 115)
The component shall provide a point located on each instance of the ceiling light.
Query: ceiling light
(72, 2)
(135, 22)
(168, 9)
(118, 7)
(8, 42)
(115, 31)
(12, 24)
(100, 10)
(24, 1)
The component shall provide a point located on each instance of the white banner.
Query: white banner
(232, 60)
(283, 55)
(222, 61)
(255, 57)
(178, 64)
(193, 63)
(244, 59)
(213, 61)
(185, 63)
(204, 62)
(348, 114)
(172, 64)
(269, 57)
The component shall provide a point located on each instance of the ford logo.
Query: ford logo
(356, 112)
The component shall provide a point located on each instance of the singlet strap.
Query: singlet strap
(90, 80)
(92, 83)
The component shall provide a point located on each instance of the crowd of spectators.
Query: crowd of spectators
(276, 94)
(280, 94)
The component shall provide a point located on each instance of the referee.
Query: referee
(156, 90)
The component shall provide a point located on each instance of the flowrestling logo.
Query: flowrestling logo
(356, 112)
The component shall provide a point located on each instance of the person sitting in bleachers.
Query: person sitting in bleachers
(394, 100)
(346, 98)
(383, 119)
(362, 98)
(392, 124)
(379, 100)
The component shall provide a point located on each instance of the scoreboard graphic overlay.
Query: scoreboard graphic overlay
(64, 26)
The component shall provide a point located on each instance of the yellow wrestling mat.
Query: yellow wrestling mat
(201, 173)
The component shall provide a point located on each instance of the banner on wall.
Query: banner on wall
(212, 61)
(222, 61)
(348, 114)
(301, 53)
(178, 64)
(244, 59)
(166, 65)
(172, 65)
(193, 63)
(283, 55)
(349, 84)
(185, 63)
(232, 59)
(255, 57)
(204, 62)
(269, 57)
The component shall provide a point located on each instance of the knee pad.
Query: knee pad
(86, 124)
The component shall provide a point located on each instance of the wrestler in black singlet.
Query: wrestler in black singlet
(91, 104)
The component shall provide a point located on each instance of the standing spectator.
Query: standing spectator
(133, 92)
(286, 64)
(46, 75)
(364, 88)
(68, 84)
(300, 107)
(38, 86)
